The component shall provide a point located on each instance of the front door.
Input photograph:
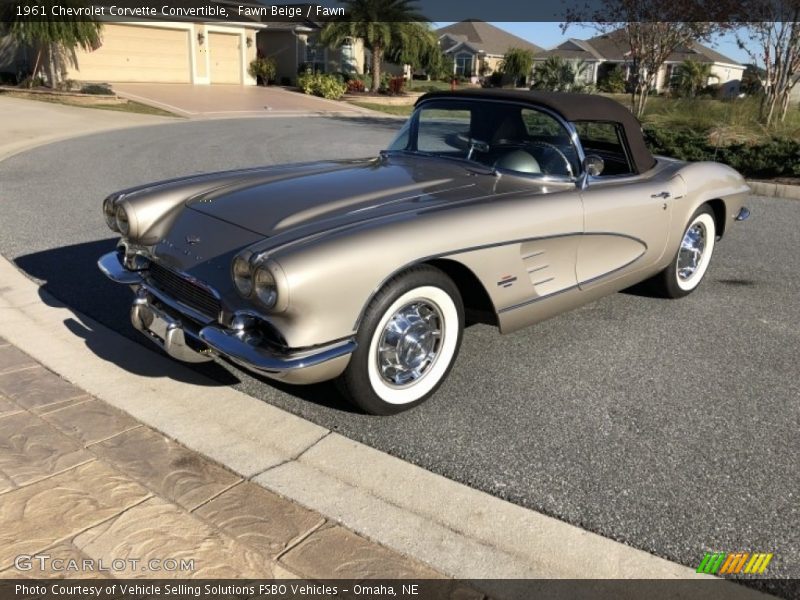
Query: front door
(625, 227)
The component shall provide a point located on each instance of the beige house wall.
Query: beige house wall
(727, 73)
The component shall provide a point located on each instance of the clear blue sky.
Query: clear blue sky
(548, 35)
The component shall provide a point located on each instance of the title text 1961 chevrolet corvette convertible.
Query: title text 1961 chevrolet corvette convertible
(506, 207)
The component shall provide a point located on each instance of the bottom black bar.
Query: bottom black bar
(400, 589)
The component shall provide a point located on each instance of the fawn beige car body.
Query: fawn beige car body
(277, 268)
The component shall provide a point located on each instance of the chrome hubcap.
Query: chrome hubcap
(691, 252)
(410, 343)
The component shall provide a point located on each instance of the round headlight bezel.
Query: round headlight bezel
(123, 220)
(110, 213)
(265, 286)
(242, 276)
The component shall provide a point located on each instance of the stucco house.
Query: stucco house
(478, 47)
(296, 46)
(604, 52)
(187, 51)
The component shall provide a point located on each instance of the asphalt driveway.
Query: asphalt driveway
(215, 101)
(669, 425)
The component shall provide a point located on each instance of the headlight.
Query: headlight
(242, 278)
(266, 289)
(123, 226)
(110, 214)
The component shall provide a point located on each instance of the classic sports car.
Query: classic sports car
(504, 207)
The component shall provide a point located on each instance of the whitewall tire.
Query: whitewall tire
(407, 342)
(691, 261)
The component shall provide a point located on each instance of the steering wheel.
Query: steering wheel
(555, 149)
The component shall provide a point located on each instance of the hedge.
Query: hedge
(774, 157)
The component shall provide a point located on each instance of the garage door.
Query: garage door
(131, 53)
(225, 57)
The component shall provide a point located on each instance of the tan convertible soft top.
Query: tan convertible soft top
(572, 107)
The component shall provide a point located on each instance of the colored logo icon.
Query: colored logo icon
(734, 563)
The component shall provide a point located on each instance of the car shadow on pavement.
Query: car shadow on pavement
(70, 279)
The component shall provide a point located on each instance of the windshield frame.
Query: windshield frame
(412, 126)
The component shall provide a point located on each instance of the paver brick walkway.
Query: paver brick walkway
(80, 479)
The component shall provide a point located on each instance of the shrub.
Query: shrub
(31, 82)
(97, 89)
(67, 85)
(355, 85)
(392, 85)
(397, 85)
(330, 87)
(774, 157)
(263, 69)
(614, 81)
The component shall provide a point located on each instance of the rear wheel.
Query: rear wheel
(407, 342)
(691, 262)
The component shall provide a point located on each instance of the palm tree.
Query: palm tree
(558, 75)
(55, 40)
(692, 76)
(383, 25)
(517, 64)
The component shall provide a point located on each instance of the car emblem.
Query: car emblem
(192, 240)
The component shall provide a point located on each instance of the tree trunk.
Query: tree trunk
(642, 92)
(37, 63)
(51, 65)
(785, 105)
(377, 55)
(768, 107)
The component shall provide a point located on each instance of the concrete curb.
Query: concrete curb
(775, 190)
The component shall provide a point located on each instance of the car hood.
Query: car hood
(329, 194)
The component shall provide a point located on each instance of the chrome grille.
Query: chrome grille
(184, 290)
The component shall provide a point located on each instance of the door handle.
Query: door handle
(663, 195)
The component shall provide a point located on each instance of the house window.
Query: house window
(315, 55)
(349, 63)
(463, 65)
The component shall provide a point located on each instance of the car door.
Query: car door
(626, 214)
(626, 223)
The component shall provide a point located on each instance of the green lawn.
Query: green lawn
(129, 106)
(420, 85)
(391, 109)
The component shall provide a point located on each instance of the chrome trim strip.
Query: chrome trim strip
(178, 306)
(495, 245)
(572, 287)
(234, 346)
(112, 268)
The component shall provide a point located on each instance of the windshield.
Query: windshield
(500, 135)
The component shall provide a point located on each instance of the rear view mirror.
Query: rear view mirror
(593, 165)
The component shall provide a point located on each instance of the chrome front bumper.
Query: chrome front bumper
(163, 322)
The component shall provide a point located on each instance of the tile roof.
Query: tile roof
(480, 35)
(613, 47)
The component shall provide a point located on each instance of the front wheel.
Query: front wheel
(407, 342)
(691, 262)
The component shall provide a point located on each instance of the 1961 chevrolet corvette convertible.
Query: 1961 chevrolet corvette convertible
(504, 207)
